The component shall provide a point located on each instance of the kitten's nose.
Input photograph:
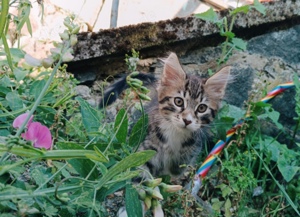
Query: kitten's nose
(187, 122)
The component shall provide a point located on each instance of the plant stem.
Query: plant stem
(6, 195)
(3, 16)
(38, 100)
(225, 45)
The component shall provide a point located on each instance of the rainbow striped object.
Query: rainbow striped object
(211, 158)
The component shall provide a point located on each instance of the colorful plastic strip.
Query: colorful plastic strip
(211, 158)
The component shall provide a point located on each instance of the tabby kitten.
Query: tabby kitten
(181, 110)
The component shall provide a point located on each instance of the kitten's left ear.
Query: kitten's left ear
(215, 86)
(173, 74)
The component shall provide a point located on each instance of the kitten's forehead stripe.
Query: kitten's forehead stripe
(186, 87)
(165, 99)
(194, 87)
(169, 108)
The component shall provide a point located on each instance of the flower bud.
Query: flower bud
(75, 30)
(67, 57)
(135, 73)
(73, 40)
(64, 35)
(144, 96)
(157, 195)
(47, 62)
(147, 202)
(154, 193)
(152, 182)
(134, 84)
(68, 25)
(142, 194)
(144, 89)
(134, 80)
(55, 50)
(170, 188)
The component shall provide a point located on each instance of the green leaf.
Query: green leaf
(17, 53)
(133, 204)
(82, 166)
(226, 190)
(101, 194)
(287, 169)
(139, 131)
(36, 88)
(25, 16)
(7, 52)
(228, 34)
(259, 7)
(121, 126)
(14, 101)
(29, 28)
(273, 147)
(239, 43)
(133, 160)
(243, 9)
(217, 204)
(39, 176)
(4, 91)
(227, 208)
(273, 115)
(297, 96)
(287, 197)
(94, 157)
(20, 74)
(100, 154)
(5, 81)
(90, 118)
(209, 15)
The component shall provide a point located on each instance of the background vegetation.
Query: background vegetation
(91, 158)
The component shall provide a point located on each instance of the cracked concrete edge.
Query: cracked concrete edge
(165, 33)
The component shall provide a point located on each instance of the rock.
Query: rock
(272, 58)
(83, 91)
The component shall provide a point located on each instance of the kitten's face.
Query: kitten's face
(187, 106)
(189, 102)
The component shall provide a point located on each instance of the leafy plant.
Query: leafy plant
(88, 159)
(226, 24)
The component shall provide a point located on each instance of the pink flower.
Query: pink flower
(37, 133)
(20, 120)
(40, 135)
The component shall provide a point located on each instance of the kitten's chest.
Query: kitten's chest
(171, 141)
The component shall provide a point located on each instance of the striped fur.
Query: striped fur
(181, 110)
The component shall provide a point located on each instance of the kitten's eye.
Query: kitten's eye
(201, 108)
(178, 101)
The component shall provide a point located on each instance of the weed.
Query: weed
(91, 159)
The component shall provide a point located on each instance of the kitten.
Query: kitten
(181, 109)
(180, 112)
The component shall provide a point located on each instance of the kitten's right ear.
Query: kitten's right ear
(173, 73)
(215, 86)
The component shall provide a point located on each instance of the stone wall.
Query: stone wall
(272, 58)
